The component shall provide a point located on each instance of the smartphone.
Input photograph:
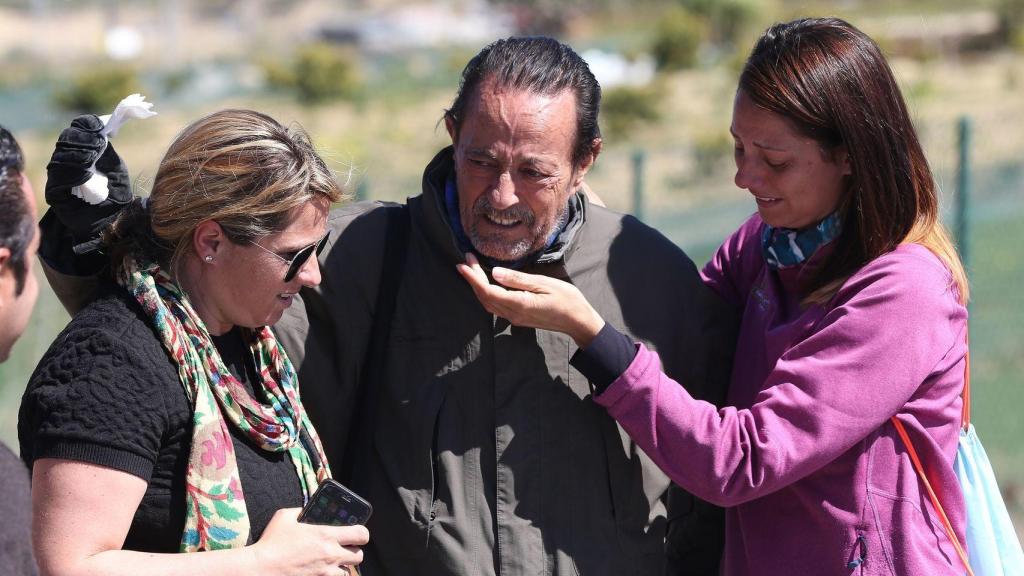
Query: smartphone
(335, 505)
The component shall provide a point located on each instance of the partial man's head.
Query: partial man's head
(524, 127)
(19, 240)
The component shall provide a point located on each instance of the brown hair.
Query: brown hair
(238, 167)
(833, 84)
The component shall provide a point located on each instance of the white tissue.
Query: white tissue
(133, 106)
(95, 189)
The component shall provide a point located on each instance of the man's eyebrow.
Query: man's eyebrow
(540, 161)
(533, 159)
(481, 152)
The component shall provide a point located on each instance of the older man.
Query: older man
(18, 291)
(476, 442)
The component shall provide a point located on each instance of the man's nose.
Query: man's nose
(503, 193)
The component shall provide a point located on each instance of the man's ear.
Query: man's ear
(586, 163)
(449, 125)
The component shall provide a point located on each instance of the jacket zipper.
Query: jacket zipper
(862, 559)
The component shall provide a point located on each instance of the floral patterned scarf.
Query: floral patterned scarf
(215, 514)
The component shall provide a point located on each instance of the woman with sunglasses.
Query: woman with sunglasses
(165, 418)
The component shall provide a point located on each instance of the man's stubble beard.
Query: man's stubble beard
(510, 251)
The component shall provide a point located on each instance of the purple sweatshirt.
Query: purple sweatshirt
(813, 475)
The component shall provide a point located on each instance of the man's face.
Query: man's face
(513, 168)
(15, 308)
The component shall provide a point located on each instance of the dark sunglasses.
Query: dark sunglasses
(296, 260)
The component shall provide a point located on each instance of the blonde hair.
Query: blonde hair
(931, 234)
(240, 168)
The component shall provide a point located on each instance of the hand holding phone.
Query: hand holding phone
(291, 548)
(335, 505)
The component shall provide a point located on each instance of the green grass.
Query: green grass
(996, 272)
(997, 315)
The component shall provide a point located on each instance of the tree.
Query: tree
(98, 90)
(624, 108)
(1011, 22)
(318, 72)
(324, 72)
(677, 40)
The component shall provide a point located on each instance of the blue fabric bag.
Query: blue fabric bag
(992, 544)
(993, 548)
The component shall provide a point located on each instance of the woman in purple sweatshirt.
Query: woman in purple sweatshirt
(852, 300)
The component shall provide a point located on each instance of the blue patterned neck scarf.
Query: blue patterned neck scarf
(787, 247)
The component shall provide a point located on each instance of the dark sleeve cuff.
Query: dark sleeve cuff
(57, 247)
(81, 451)
(608, 356)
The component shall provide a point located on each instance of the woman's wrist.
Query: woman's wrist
(606, 358)
(252, 555)
(588, 329)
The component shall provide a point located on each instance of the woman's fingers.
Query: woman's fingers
(494, 298)
(354, 536)
(522, 281)
(352, 556)
(478, 283)
(474, 274)
(533, 301)
(522, 299)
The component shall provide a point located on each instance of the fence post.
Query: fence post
(963, 187)
(639, 156)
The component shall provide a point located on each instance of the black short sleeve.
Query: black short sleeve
(99, 394)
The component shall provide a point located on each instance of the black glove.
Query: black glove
(78, 146)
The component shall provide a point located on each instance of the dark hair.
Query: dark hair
(540, 65)
(833, 84)
(17, 224)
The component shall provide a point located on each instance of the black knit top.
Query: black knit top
(107, 393)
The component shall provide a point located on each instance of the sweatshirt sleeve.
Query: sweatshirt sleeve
(892, 324)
